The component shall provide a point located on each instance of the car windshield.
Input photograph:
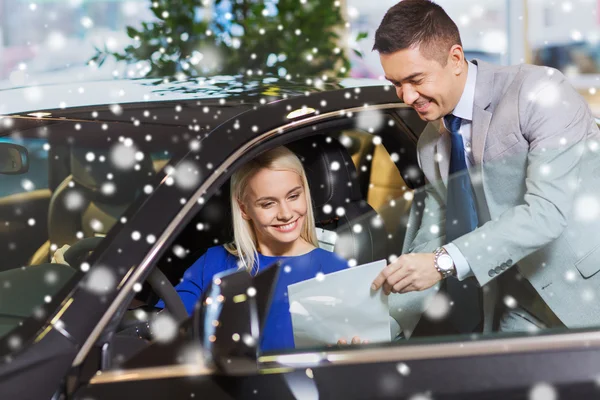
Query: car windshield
(62, 183)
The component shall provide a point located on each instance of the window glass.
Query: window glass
(95, 174)
(37, 176)
(360, 206)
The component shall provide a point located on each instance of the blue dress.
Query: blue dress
(277, 333)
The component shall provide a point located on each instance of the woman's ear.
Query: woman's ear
(244, 211)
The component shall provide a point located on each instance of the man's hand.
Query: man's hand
(408, 273)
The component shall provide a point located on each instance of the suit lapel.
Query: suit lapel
(442, 150)
(484, 87)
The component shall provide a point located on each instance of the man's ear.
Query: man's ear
(244, 210)
(457, 59)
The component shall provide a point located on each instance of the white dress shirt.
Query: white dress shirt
(464, 110)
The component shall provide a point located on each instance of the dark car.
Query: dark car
(134, 176)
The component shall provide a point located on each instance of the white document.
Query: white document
(340, 305)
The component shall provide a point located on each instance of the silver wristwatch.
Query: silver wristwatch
(443, 263)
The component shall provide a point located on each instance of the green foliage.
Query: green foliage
(281, 37)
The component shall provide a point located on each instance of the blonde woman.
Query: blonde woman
(272, 220)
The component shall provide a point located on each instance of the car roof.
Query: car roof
(234, 89)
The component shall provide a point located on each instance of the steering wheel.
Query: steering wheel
(157, 280)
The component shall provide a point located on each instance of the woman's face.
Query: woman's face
(275, 202)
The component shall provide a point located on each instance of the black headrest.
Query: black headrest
(331, 174)
(111, 176)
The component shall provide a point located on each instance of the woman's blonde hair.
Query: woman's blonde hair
(244, 245)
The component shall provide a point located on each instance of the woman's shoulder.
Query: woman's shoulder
(217, 251)
(329, 258)
(216, 257)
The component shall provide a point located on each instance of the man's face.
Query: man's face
(432, 89)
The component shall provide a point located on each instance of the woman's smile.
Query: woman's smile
(287, 227)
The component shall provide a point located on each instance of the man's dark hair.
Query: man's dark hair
(422, 23)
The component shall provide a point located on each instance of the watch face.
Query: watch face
(445, 262)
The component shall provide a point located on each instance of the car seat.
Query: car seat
(91, 198)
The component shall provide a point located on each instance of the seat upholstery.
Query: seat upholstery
(338, 201)
(79, 203)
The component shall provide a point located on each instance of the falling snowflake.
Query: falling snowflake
(56, 41)
(510, 301)
(376, 221)
(100, 280)
(403, 369)
(96, 225)
(546, 94)
(587, 295)
(248, 340)
(164, 328)
(438, 307)
(587, 208)
(179, 251)
(186, 175)
(14, 342)
(73, 200)
(545, 169)
(33, 94)
(570, 276)
(543, 391)
(108, 188)
(27, 185)
(87, 22)
(420, 396)
(51, 277)
(122, 155)
(370, 121)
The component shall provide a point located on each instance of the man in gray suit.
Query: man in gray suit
(512, 164)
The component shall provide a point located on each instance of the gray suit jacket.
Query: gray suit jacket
(537, 149)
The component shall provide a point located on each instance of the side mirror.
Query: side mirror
(229, 320)
(14, 159)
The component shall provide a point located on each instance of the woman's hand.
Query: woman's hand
(355, 340)
(59, 255)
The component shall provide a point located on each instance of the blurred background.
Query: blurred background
(47, 41)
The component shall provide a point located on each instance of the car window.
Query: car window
(81, 179)
(360, 201)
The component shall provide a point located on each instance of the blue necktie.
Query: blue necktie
(461, 218)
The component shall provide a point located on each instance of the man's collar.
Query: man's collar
(464, 108)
